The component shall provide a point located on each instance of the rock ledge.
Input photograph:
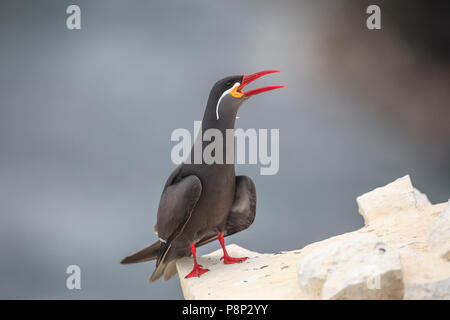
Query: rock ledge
(402, 252)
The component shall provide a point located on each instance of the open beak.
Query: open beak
(252, 77)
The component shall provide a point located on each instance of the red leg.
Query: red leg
(226, 258)
(197, 271)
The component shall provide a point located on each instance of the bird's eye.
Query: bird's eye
(229, 83)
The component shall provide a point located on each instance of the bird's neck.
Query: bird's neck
(226, 120)
(225, 125)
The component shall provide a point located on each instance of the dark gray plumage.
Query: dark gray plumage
(204, 202)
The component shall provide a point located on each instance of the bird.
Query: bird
(203, 202)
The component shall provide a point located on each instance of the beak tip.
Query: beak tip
(252, 77)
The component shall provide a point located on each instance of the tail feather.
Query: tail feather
(170, 270)
(159, 271)
(147, 254)
(161, 264)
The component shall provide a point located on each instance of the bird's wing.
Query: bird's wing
(176, 205)
(170, 180)
(178, 198)
(242, 212)
(177, 202)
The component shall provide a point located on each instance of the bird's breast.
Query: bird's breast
(213, 206)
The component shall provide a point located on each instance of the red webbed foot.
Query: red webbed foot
(197, 271)
(230, 260)
(226, 258)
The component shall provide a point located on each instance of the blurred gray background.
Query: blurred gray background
(86, 118)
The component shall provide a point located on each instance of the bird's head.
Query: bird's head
(228, 94)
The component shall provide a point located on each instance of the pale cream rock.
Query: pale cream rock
(439, 240)
(395, 197)
(437, 290)
(357, 267)
(421, 198)
(262, 276)
(398, 218)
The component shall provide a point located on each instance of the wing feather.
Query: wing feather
(177, 202)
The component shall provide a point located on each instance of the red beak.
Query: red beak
(252, 77)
